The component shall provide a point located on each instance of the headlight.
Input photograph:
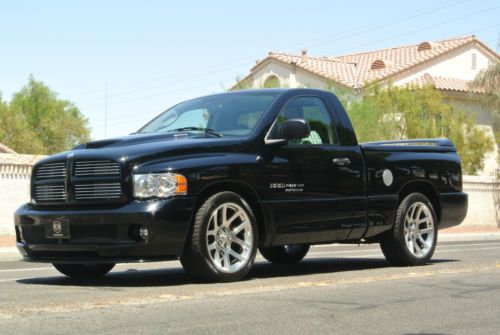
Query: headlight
(160, 185)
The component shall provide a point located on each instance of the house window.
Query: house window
(272, 82)
(473, 61)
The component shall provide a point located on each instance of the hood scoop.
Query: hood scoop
(100, 144)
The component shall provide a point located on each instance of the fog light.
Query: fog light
(143, 233)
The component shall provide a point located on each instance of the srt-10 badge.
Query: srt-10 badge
(287, 187)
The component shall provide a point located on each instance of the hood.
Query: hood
(143, 147)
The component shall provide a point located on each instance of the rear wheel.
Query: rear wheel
(413, 239)
(84, 270)
(285, 254)
(224, 240)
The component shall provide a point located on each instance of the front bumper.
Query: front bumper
(104, 234)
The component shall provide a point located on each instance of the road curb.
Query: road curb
(466, 237)
(9, 254)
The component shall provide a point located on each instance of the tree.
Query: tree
(37, 122)
(407, 113)
(489, 81)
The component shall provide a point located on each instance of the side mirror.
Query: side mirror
(295, 129)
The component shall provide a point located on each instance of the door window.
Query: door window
(314, 111)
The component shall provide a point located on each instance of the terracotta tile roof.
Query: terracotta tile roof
(444, 83)
(6, 150)
(368, 67)
(327, 67)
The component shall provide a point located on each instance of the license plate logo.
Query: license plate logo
(57, 227)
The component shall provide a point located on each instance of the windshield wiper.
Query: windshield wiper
(206, 130)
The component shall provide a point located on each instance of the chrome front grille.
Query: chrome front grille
(96, 168)
(86, 181)
(98, 191)
(50, 193)
(51, 170)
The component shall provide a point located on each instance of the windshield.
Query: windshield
(234, 114)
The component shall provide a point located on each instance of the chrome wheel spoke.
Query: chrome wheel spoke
(229, 243)
(235, 255)
(418, 250)
(212, 246)
(224, 215)
(242, 243)
(426, 230)
(231, 220)
(236, 230)
(227, 263)
(419, 241)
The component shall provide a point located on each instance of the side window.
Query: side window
(314, 111)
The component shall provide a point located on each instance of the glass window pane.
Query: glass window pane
(314, 111)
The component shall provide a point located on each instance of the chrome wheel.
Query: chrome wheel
(419, 230)
(229, 237)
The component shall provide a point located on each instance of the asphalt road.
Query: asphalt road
(336, 289)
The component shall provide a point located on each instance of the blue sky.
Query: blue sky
(153, 54)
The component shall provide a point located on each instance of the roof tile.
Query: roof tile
(355, 70)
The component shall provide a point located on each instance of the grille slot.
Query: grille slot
(50, 193)
(51, 170)
(98, 191)
(96, 168)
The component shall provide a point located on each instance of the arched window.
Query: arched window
(272, 82)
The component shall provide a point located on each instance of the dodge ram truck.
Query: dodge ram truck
(212, 180)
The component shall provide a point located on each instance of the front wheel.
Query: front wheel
(84, 270)
(224, 239)
(285, 254)
(413, 239)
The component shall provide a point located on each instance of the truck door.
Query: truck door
(313, 182)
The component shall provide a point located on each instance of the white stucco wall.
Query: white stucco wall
(15, 174)
(292, 77)
(15, 192)
(456, 64)
(284, 72)
(483, 202)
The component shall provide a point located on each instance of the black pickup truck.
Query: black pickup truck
(213, 179)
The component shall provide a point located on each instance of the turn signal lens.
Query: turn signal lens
(181, 184)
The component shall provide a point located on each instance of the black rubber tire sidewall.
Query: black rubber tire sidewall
(279, 255)
(84, 270)
(393, 244)
(196, 259)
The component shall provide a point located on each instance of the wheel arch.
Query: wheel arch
(426, 188)
(245, 191)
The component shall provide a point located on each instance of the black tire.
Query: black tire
(394, 244)
(84, 270)
(197, 260)
(285, 254)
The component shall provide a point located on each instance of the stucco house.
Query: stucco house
(448, 65)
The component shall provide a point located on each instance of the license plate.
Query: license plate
(57, 228)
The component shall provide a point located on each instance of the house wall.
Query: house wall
(456, 64)
(284, 72)
(15, 174)
(292, 77)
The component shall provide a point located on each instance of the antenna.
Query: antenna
(106, 109)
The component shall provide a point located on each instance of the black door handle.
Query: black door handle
(341, 161)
